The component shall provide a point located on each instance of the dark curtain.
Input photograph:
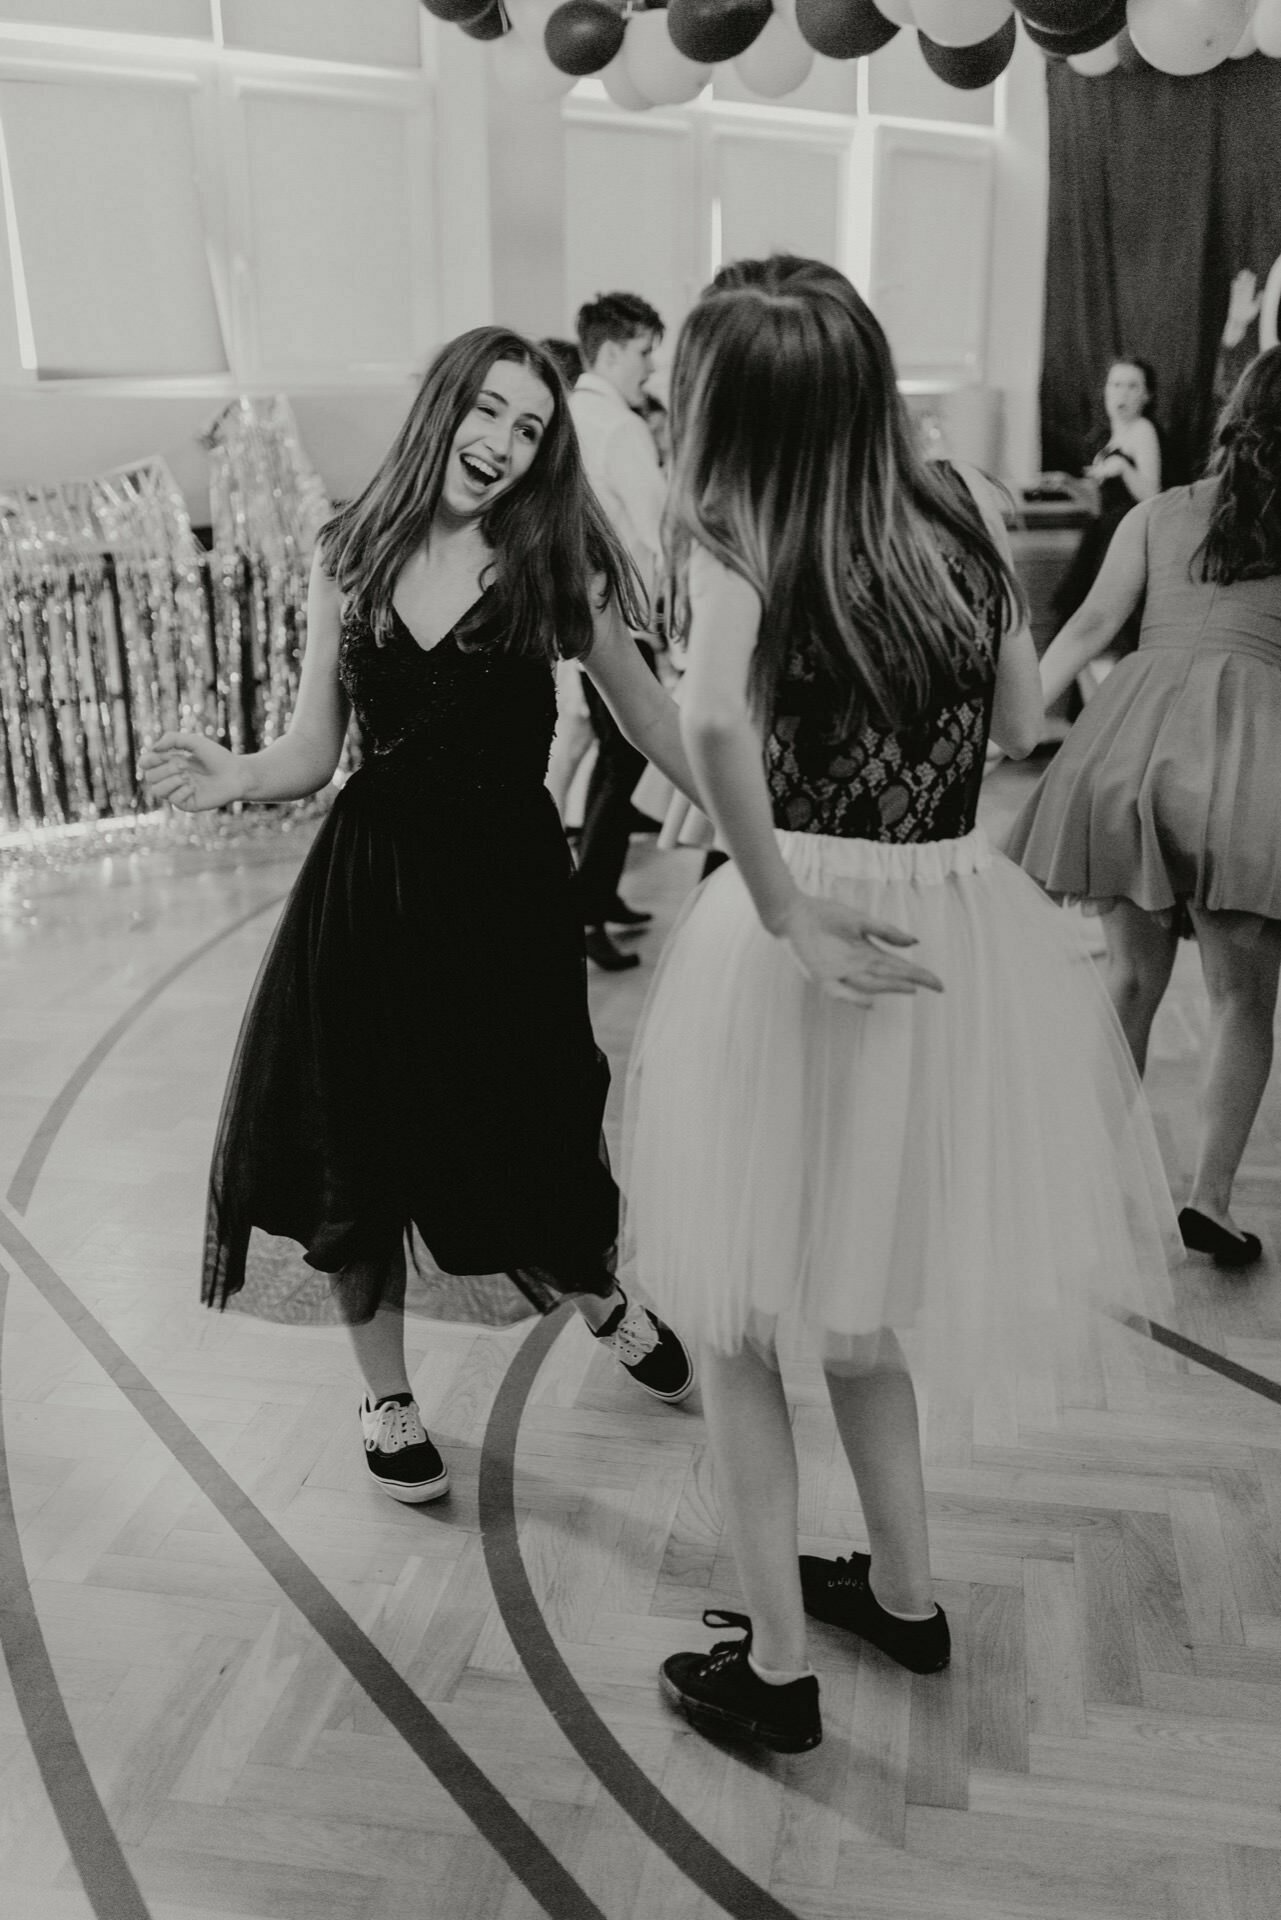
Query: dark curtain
(1161, 189)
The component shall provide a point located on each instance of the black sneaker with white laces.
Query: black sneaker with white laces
(655, 1356)
(839, 1593)
(719, 1693)
(398, 1453)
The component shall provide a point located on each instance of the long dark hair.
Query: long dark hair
(794, 463)
(549, 535)
(1243, 541)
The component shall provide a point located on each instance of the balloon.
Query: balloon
(970, 67)
(777, 61)
(492, 24)
(1079, 39)
(1099, 60)
(525, 72)
(1267, 27)
(582, 36)
(960, 23)
(1186, 36)
(456, 11)
(843, 29)
(709, 30)
(899, 12)
(529, 18)
(621, 88)
(1062, 16)
(658, 70)
(1246, 45)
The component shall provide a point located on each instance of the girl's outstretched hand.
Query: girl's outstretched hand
(191, 772)
(839, 949)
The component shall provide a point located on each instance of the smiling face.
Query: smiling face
(1126, 393)
(497, 440)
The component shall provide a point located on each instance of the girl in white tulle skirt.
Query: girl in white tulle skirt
(878, 1089)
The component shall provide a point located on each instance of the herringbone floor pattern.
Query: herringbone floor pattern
(1106, 1746)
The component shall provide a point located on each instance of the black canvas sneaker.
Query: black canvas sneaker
(837, 1592)
(655, 1356)
(719, 1693)
(398, 1453)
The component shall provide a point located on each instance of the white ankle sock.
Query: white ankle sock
(896, 1615)
(778, 1676)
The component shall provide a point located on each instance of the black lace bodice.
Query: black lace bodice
(919, 783)
(466, 717)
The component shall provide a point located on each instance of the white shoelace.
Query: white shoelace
(633, 1337)
(398, 1427)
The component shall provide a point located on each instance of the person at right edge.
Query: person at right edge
(1162, 805)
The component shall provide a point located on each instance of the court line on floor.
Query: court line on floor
(31, 1165)
(511, 1837)
(639, 1797)
(96, 1852)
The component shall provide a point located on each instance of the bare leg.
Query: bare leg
(1140, 960)
(751, 1438)
(1241, 980)
(876, 1418)
(380, 1343)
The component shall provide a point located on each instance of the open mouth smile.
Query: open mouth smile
(480, 472)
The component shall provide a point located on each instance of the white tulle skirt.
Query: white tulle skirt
(975, 1170)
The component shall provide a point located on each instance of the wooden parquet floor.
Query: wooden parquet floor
(241, 1685)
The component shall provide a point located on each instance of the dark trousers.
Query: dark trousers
(607, 810)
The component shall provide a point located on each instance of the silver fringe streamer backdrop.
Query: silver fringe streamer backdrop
(115, 624)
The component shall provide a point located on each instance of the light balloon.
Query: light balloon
(622, 89)
(529, 18)
(525, 72)
(1246, 45)
(658, 69)
(1098, 61)
(1267, 27)
(1186, 36)
(960, 23)
(777, 62)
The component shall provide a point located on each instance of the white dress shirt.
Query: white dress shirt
(622, 464)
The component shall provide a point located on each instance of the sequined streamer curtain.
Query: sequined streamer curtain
(115, 624)
(268, 506)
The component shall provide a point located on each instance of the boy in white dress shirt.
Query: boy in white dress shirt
(617, 333)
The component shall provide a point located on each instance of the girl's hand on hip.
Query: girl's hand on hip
(843, 951)
(191, 772)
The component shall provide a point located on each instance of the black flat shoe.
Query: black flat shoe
(719, 1694)
(621, 915)
(602, 952)
(838, 1592)
(1203, 1235)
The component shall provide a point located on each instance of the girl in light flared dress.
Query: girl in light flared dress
(878, 1089)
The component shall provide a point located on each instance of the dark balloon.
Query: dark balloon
(1080, 39)
(970, 67)
(582, 36)
(456, 11)
(491, 24)
(712, 30)
(843, 29)
(1063, 16)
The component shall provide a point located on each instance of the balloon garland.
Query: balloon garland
(658, 53)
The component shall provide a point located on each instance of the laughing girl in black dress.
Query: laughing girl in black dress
(401, 1065)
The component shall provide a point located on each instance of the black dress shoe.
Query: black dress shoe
(621, 915)
(602, 952)
(1204, 1235)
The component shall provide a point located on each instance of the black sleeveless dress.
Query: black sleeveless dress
(417, 1052)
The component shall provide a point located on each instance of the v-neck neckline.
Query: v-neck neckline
(445, 637)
